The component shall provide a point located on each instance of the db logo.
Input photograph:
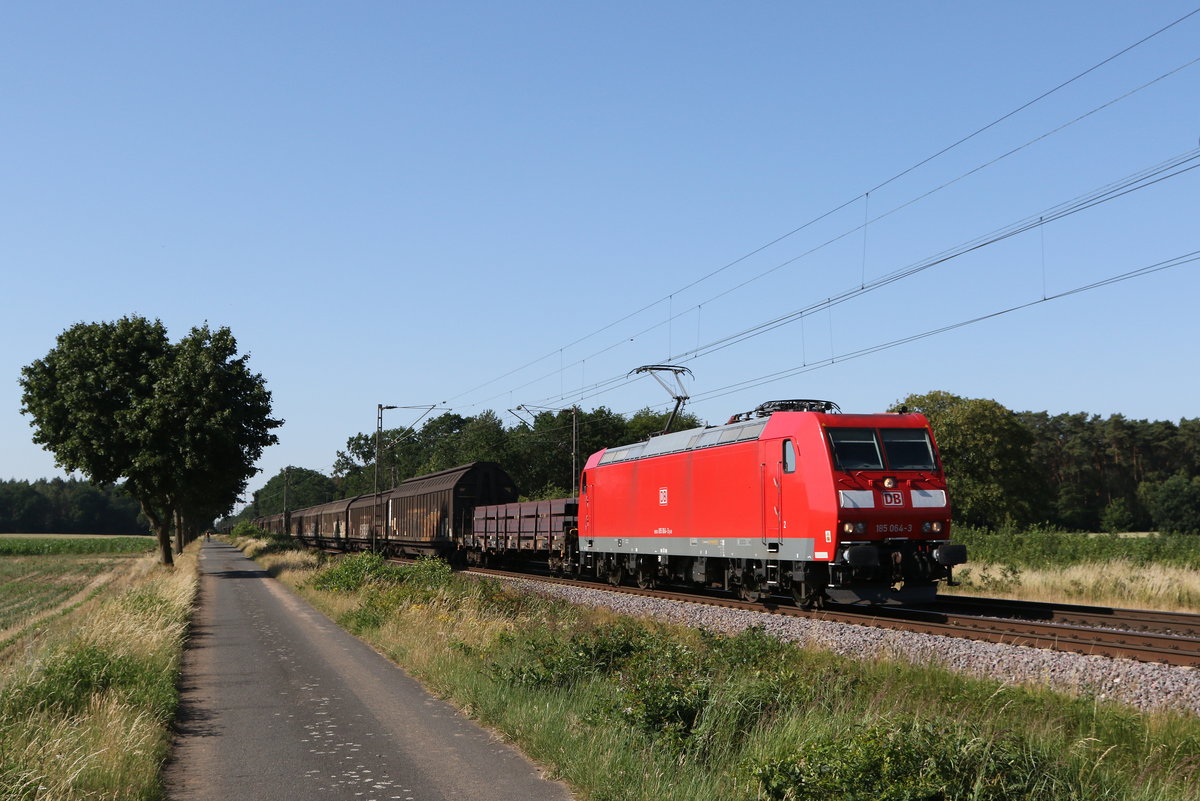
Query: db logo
(662, 496)
(892, 498)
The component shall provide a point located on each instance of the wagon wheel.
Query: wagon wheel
(750, 594)
(808, 596)
(646, 579)
(616, 573)
(750, 590)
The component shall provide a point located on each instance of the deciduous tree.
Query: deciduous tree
(183, 424)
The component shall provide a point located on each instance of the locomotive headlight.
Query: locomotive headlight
(889, 482)
(854, 528)
(931, 528)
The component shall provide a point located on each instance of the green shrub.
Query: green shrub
(556, 658)
(912, 761)
(67, 682)
(351, 573)
(1042, 548)
(248, 529)
(662, 692)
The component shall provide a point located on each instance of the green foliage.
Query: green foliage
(663, 691)
(1117, 517)
(894, 760)
(1174, 503)
(182, 423)
(67, 683)
(382, 587)
(248, 529)
(539, 657)
(1091, 462)
(985, 451)
(1078, 471)
(1038, 547)
(44, 546)
(66, 506)
(355, 571)
(299, 486)
(352, 572)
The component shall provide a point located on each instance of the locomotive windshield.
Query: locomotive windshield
(905, 449)
(908, 449)
(855, 449)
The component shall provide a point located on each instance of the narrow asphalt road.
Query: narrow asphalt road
(280, 703)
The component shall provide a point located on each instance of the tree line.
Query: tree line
(1077, 472)
(1006, 469)
(179, 425)
(67, 506)
(543, 454)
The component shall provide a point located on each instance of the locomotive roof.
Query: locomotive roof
(444, 479)
(735, 431)
(692, 439)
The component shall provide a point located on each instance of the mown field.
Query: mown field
(89, 686)
(39, 574)
(634, 710)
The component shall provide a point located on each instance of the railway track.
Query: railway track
(1146, 636)
(1178, 623)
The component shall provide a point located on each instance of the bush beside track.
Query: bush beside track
(634, 709)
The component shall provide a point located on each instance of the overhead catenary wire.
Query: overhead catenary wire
(1139, 272)
(835, 209)
(1150, 176)
(865, 286)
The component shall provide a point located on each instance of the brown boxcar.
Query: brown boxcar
(431, 515)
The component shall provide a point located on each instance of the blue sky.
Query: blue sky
(404, 203)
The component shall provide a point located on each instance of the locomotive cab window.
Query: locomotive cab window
(908, 449)
(855, 449)
(789, 456)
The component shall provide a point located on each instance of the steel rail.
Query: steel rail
(1170, 649)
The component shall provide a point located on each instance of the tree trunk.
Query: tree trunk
(163, 532)
(179, 543)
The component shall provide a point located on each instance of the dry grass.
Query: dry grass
(1117, 583)
(65, 737)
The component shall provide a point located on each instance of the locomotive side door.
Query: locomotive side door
(772, 489)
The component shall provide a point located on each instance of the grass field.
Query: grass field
(78, 544)
(42, 575)
(1147, 571)
(88, 697)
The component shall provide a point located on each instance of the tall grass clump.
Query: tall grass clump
(627, 709)
(88, 714)
(254, 540)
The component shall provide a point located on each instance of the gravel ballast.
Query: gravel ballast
(1143, 685)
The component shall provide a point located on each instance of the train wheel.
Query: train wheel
(808, 597)
(751, 587)
(646, 580)
(616, 573)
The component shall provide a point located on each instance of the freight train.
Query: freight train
(793, 497)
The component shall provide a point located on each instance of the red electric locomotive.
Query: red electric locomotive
(792, 497)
